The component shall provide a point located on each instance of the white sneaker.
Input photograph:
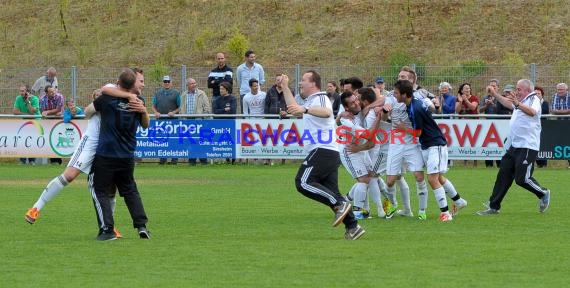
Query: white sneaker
(405, 213)
(458, 205)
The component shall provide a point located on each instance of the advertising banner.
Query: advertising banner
(554, 140)
(39, 138)
(178, 138)
(467, 139)
(475, 139)
(270, 138)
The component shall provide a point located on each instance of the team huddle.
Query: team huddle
(405, 113)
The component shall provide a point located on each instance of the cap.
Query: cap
(379, 79)
(166, 78)
(509, 88)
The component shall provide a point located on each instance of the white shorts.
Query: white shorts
(83, 156)
(408, 154)
(379, 160)
(435, 158)
(357, 164)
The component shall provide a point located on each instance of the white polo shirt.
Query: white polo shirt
(321, 130)
(525, 129)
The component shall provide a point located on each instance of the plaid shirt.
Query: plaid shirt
(47, 103)
(560, 102)
(191, 103)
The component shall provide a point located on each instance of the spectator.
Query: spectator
(166, 101)
(501, 109)
(254, 101)
(446, 100)
(489, 106)
(274, 101)
(26, 104)
(561, 102)
(545, 109)
(381, 86)
(352, 84)
(195, 101)
(545, 106)
(246, 71)
(222, 73)
(226, 104)
(333, 92)
(467, 104)
(71, 111)
(48, 79)
(51, 104)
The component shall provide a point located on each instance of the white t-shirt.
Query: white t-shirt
(525, 129)
(254, 104)
(320, 130)
(383, 135)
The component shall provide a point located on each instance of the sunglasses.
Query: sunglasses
(166, 81)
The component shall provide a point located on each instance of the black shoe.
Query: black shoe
(108, 235)
(143, 233)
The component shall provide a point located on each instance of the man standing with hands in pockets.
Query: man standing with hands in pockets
(317, 177)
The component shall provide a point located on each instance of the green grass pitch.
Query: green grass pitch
(246, 226)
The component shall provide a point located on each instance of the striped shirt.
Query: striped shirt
(47, 103)
(560, 102)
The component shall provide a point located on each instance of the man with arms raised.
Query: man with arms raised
(317, 177)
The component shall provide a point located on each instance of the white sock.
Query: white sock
(422, 195)
(405, 194)
(366, 205)
(53, 188)
(383, 187)
(374, 191)
(392, 195)
(360, 194)
(439, 194)
(449, 189)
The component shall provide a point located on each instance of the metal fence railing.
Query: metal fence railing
(78, 83)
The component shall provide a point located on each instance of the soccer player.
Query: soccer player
(373, 102)
(357, 164)
(433, 145)
(317, 177)
(80, 161)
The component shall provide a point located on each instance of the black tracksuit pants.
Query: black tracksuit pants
(118, 171)
(317, 179)
(517, 165)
